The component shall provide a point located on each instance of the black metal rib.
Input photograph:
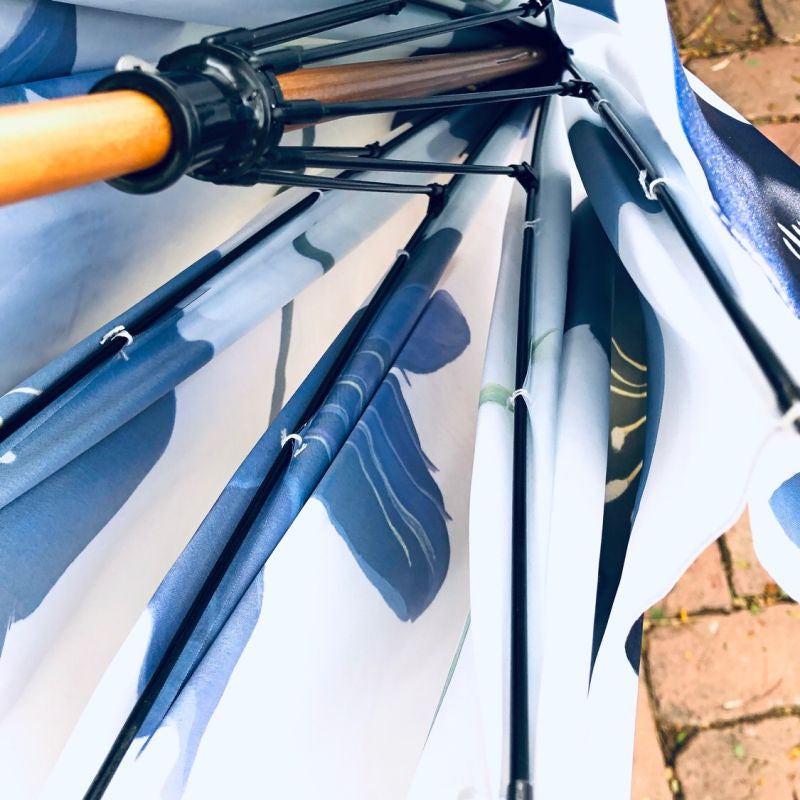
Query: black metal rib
(412, 34)
(371, 150)
(279, 158)
(136, 324)
(519, 717)
(279, 178)
(307, 25)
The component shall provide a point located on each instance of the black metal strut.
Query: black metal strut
(279, 178)
(225, 105)
(270, 35)
(339, 49)
(371, 150)
(301, 158)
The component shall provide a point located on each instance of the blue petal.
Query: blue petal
(785, 505)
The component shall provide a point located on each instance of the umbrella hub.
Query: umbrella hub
(221, 109)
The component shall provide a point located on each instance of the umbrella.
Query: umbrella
(349, 468)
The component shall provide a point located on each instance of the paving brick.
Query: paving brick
(758, 83)
(703, 585)
(649, 771)
(785, 135)
(713, 26)
(743, 762)
(722, 667)
(749, 577)
(784, 18)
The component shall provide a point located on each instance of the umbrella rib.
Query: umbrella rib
(307, 25)
(279, 178)
(138, 323)
(786, 391)
(300, 158)
(519, 787)
(325, 52)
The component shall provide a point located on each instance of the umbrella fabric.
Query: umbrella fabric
(587, 303)
(708, 409)
(144, 408)
(376, 518)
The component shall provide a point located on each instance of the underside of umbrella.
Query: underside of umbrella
(340, 343)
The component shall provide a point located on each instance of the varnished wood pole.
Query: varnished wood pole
(51, 145)
(418, 76)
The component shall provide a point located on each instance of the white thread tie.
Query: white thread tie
(120, 332)
(791, 416)
(648, 188)
(524, 393)
(298, 446)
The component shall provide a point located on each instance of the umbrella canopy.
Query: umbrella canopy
(295, 478)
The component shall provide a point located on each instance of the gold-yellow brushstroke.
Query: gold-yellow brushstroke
(625, 393)
(627, 358)
(619, 486)
(620, 432)
(626, 381)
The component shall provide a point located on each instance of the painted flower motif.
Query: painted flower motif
(381, 494)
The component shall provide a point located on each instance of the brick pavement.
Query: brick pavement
(719, 701)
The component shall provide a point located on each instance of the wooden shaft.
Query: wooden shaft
(406, 77)
(52, 145)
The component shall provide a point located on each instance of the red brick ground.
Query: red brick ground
(719, 701)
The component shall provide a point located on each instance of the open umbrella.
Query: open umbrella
(411, 352)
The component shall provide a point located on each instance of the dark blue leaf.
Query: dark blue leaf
(380, 493)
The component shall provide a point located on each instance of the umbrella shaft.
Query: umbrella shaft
(53, 145)
(417, 76)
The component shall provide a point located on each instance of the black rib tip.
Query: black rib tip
(519, 790)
